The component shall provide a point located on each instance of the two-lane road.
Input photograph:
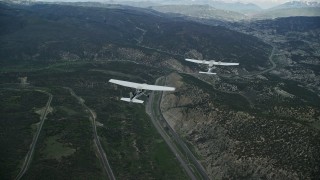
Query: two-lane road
(28, 158)
(101, 153)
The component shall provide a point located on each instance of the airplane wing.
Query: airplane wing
(202, 72)
(141, 86)
(212, 62)
(198, 61)
(224, 63)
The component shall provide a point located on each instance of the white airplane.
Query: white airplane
(211, 64)
(140, 89)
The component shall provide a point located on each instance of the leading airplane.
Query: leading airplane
(211, 64)
(140, 89)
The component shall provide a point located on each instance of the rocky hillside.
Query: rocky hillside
(239, 138)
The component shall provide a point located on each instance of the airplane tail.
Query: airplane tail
(131, 100)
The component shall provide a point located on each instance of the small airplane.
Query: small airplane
(211, 64)
(140, 89)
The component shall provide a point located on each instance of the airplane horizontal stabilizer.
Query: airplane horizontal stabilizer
(131, 100)
(207, 72)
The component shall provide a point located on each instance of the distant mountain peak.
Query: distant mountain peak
(298, 4)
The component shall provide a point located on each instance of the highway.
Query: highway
(173, 141)
(28, 158)
(102, 154)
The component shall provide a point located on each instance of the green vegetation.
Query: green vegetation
(65, 149)
(223, 99)
(59, 47)
(17, 111)
(135, 148)
(316, 125)
(129, 139)
(56, 150)
(66, 111)
(304, 96)
(63, 34)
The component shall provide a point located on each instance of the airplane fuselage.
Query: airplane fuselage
(137, 94)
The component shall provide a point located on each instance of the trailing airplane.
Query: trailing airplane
(140, 89)
(211, 64)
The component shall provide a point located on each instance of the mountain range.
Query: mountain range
(218, 10)
(297, 4)
(54, 32)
